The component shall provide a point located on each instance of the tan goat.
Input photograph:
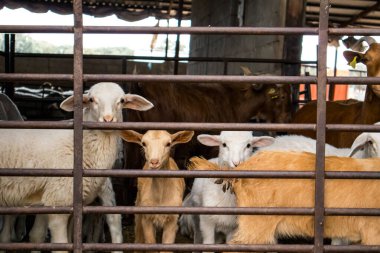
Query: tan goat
(339, 193)
(158, 191)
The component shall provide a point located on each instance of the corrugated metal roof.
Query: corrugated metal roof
(343, 13)
(346, 13)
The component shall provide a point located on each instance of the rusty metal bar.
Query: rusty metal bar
(321, 131)
(189, 174)
(187, 125)
(36, 246)
(354, 31)
(36, 210)
(198, 247)
(197, 126)
(189, 78)
(167, 30)
(78, 128)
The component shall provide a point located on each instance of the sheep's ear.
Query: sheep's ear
(360, 143)
(136, 102)
(209, 140)
(131, 136)
(68, 104)
(262, 141)
(182, 137)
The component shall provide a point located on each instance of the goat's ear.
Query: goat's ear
(68, 103)
(131, 136)
(136, 102)
(209, 140)
(350, 55)
(182, 137)
(360, 143)
(262, 141)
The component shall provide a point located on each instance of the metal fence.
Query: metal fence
(78, 78)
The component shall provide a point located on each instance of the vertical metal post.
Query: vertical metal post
(321, 127)
(177, 43)
(331, 85)
(78, 127)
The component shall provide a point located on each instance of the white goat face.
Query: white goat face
(234, 146)
(104, 103)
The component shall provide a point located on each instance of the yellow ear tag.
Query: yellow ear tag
(353, 62)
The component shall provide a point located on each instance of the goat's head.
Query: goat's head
(156, 144)
(105, 101)
(234, 146)
(371, 58)
(267, 102)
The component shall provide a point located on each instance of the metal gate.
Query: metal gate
(78, 78)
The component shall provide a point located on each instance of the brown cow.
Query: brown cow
(367, 112)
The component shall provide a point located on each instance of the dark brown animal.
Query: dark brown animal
(210, 103)
(367, 112)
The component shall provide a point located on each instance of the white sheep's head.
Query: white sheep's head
(234, 146)
(104, 103)
(156, 144)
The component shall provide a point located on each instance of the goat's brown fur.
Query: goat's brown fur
(158, 191)
(339, 193)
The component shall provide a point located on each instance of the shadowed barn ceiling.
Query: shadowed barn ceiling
(343, 13)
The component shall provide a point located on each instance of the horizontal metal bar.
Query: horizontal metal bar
(353, 127)
(35, 29)
(198, 210)
(198, 126)
(36, 246)
(187, 125)
(197, 247)
(200, 173)
(36, 209)
(187, 247)
(202, 78)
(190, 78)
(354, 31)
(163, 58)
(202, 30)
(35, 77)
(37, 124)
(352, 211)
(353, 80)
(29, 172)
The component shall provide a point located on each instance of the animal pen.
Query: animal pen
(78, 78)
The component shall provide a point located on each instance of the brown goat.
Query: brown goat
(158, 191)
(367, 112)
(339, 193)
(337, 112)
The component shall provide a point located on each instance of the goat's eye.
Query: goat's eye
(224, 145)
(91, 100)
(168, 144)
(143, 143)
(248, 145)
(122, 100)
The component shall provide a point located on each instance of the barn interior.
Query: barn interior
(213, 56)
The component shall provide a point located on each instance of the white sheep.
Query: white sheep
(53, 148)
(234, 148)
(158, 191)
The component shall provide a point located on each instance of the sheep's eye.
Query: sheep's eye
(168, 144)
(224, 145)
(248, 145)
(91, 100)
(143, 143)
(122, 100)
